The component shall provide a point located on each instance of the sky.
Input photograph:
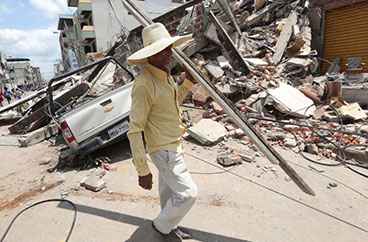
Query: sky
(27, 30)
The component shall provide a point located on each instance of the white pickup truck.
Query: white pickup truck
(98, 122)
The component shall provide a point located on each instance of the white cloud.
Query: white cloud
(50, 8)
(4, 9)
(40, 45)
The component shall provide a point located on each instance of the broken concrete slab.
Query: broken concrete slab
(295, 102)
(93, 183)
(199, 94)
(353, 111)
(93, 180)
(227, 88)
(246, 156)
(357, 94)
(214, 70)
(359, 154)
(290, 141)
(223, 61)
(38, 135)
(207, 131)
(256, 62)
(211, 34)
(228, 159)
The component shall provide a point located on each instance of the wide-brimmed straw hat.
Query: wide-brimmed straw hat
(155, 39)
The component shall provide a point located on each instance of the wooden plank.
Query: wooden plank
(237, 61)
(284, 38)
(229, 13)
(258, 16)
(21, 124)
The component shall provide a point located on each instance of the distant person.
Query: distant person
(1, 98)
(7, 94)
(18, 94)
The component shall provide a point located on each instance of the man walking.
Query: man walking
(155, 112)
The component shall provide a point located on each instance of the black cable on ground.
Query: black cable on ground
(342, 156)
(40, 202)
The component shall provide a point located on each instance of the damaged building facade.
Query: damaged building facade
(94, 28)
(22, 74)
(4, 73)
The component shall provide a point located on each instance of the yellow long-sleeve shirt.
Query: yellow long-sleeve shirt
(155, 111)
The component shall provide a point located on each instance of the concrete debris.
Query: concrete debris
(93, 180)
(207, 131)
(93, 183)
(332, 184)
(292, 101)
(38, 135)
(290, 141)
(353, 111)
(227, 159)
(199, 94)
(246, 156)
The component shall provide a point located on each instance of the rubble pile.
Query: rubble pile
(279, 90)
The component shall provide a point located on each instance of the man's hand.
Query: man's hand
(145, 181)
(189, 76)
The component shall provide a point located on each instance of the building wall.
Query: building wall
(19, 73)
(106, 26)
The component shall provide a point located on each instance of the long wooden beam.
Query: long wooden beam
(237, 61)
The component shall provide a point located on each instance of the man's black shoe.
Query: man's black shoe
(183, 233)
(170, 237)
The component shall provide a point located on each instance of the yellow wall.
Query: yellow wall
(346, 35)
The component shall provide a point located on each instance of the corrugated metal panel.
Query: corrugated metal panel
(346, 35)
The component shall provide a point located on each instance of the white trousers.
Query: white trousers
(177, 189)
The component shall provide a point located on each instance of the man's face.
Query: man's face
(162, 58)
